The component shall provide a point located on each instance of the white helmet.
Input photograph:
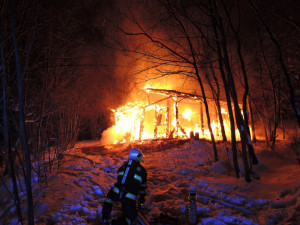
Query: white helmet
(136, 154)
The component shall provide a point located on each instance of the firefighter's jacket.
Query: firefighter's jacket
(132, 180)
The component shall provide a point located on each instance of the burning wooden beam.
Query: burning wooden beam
(174, 93)
(142, 124)
(167, 116)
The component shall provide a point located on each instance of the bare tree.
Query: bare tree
(22, 122)
(182, 50)
(227, 92)
(275, 95)
(285, 69)
(231, 83)
(245, 76)
(6, 135)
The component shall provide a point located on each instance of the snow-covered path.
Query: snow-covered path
(75, 195)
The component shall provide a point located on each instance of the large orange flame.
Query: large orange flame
(141, 121)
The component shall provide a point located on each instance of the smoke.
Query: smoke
(109, 136)
(138, 66)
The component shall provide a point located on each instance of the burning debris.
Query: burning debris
(175, 115)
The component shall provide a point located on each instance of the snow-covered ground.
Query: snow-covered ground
(87, 171)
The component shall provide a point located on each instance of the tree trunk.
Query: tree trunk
(216, 94)
(22, 122)
(246, 91)
(201, 119)
(7, 143)
(238, 115)
(252, 121)
(227, 93)
(194, 63)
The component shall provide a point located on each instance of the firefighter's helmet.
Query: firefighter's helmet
(136, 154)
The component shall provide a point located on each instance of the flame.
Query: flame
(140, 121)
(187, 114)
(147, 87)
(223, 111)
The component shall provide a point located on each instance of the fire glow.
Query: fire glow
(175, 115)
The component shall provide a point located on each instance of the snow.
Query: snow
(76, 194)
(98, 192)
(227, 220)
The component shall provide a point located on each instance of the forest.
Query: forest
(66, 64)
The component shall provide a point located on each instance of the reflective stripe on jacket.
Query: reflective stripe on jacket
(132, 178)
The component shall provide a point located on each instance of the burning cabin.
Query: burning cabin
(166, 113)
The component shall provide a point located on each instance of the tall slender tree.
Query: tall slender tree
(6, 134)
(227, 92)
(239, 119)
(245, 76)
(22, 121)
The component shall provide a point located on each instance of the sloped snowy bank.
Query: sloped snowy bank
(75, 195)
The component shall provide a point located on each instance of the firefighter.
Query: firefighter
(129, 188)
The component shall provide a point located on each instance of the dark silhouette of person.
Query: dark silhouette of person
(129, 188)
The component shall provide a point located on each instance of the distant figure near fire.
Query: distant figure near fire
(130, 186)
